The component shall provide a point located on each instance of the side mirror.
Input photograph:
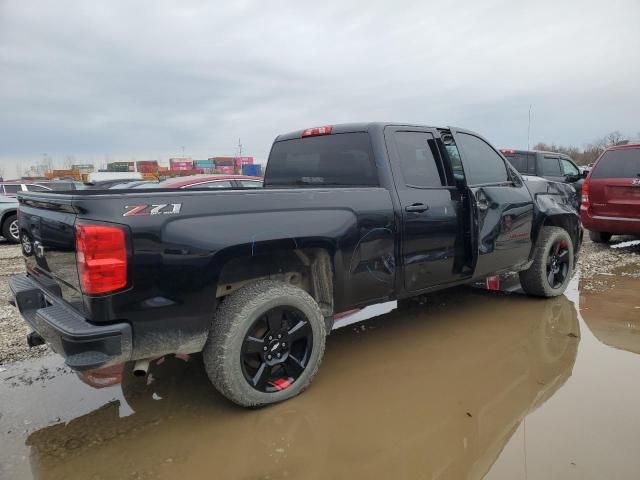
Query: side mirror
(570, 178)
(585, 173)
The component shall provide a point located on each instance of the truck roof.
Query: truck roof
(350, 128)
(511, 151)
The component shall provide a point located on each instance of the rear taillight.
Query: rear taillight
(102, 258)
(585, 194)
(312, 132)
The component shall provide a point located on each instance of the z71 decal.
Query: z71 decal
(160, 209)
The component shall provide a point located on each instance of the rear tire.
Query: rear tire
(239, 342)
(552, 267)
(599, 237)
(10, 230)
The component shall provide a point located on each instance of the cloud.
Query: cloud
(144, 79)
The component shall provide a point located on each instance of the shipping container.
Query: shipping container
(252, 170)
(181, 164)
(240, 161)
(204, 163)
(83, 167)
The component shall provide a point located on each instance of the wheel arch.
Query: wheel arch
(309, 267)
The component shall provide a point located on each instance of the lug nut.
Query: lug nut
(284, 344)
(270, 337)
(278, 354)
(265, 348)
(269, 357)
(279, 335)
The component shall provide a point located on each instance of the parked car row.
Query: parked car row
(608, 190)
(9, 190)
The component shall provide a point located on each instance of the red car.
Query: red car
(611, 194)
(206, 181)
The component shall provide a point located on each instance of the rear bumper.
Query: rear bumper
(83, 345)
(615, 225)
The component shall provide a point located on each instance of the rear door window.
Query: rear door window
(482, 164)
(417, 161)
(328, 160)
(551, 166)
(624, 163)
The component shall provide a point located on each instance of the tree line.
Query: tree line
(588, 154)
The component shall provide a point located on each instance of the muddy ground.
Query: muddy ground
(470, 384)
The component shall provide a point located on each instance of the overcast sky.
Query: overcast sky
(141, 80)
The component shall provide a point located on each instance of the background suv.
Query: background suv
(550, 165)
(611, 194)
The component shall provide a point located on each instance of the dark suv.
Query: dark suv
(550, 165)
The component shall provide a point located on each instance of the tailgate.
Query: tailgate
(48, 244)
(616, 197)
(614, 184)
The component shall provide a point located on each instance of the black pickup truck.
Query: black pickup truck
(350, 215)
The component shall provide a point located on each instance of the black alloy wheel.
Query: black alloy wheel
(558, 263)
(276, 349)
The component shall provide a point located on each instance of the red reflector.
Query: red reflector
(493, 283)
(312, 132)
(102, 258)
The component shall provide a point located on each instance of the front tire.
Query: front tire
(266, 343)
(552, 267)
(600, 237)
(10, 229)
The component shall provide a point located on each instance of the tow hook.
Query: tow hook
(34, 339)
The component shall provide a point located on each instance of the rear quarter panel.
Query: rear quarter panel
(177, 258)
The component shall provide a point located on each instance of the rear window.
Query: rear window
(519, 161)
(342, 159)
(618, 164)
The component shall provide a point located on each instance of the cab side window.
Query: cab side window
(482, 164)
(417, 161)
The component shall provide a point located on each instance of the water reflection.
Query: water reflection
(614, 316)
(430, 391)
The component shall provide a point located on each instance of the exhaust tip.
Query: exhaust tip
(141, 368)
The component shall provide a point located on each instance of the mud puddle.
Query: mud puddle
(472, 384)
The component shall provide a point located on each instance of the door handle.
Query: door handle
(416, 208)
(482, 205)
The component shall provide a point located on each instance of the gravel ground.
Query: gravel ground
(13, 330)
(597, 262)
